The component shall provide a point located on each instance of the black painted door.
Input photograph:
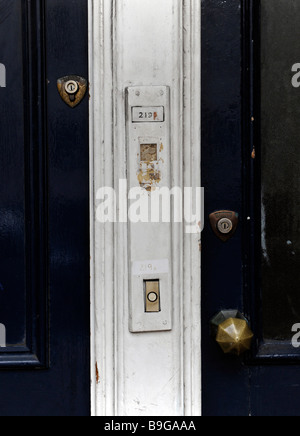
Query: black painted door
(251, 165)
(44, 211)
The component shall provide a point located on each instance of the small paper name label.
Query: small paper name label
(150, 267)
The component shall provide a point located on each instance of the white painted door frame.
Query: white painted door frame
(143, 42)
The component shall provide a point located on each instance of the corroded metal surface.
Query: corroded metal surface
(72, 99)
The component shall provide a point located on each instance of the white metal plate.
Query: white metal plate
(149, 154)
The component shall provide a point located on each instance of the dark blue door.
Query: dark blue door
(44, 211)
(251, 166)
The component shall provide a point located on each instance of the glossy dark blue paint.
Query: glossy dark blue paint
(44, 211)
(263, 383)
(221, 177)
(12, 218)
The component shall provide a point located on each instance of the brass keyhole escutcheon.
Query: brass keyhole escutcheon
(224, 224)
(72, 89)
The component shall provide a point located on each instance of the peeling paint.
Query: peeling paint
(148, 176)
(97, 374)
(148, 152)
(263, 233)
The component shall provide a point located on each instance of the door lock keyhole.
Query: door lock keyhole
(225, 226)
(71, 88)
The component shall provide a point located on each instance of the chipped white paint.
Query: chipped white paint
(142, 43)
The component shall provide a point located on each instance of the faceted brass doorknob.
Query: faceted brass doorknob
(232, 332)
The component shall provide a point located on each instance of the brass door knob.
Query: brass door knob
(232, 332)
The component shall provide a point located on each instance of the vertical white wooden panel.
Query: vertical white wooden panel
(192, 177)
(136, 43)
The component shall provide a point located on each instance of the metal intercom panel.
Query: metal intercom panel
(149, 170)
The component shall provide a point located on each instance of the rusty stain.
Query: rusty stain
(97, 374)
(149, 175)
(72, 100)
(149, 152)
(148, 178)
(161, 147)
(253, 154)
(155, 116)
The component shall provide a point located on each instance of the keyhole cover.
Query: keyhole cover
(72, 89)
(224, 224)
